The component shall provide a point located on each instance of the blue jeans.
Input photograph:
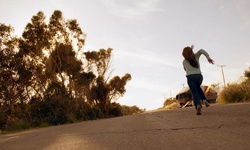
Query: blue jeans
(194, 82)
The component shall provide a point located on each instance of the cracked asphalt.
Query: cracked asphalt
(219, 127)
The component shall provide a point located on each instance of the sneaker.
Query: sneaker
(198, 110)
(206, 103)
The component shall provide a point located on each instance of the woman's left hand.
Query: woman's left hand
(211, 61)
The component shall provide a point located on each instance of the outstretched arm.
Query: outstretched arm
(211, 61)
(201, 51)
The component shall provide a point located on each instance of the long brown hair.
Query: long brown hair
(188, 54)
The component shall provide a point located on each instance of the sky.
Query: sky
(148, 36)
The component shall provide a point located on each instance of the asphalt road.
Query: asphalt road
(220, 127)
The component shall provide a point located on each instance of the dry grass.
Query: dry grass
(235, 93)
(171, 104)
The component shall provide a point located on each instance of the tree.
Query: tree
(11, 91)
(5, 35)
(47, 78)
(63, 60)
(247, 73)
(67, 32)
(7, 67)
(105, 90)
(66, 42)
(99, 61)
(48, 53)
(32, 46)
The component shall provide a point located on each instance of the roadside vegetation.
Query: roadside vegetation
(236, 92)
(171, 103)
(232, 93)
(47, 79)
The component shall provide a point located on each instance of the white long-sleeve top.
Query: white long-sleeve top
(192, 70)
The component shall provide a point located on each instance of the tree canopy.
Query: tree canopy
(43, 79)
(247, 74)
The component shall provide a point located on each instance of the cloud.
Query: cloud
(148, 58)
(131, 8)
(239, 9)
(247, 64)
(151, 85)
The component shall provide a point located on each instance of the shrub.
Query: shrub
(2, 119)
(115, 110)
(131, 110)
(71, 118)
(171, 103)
(16, 124)
(81, 109)
(44, 124)
(246, 90)
(235, 93)
(95, 113)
